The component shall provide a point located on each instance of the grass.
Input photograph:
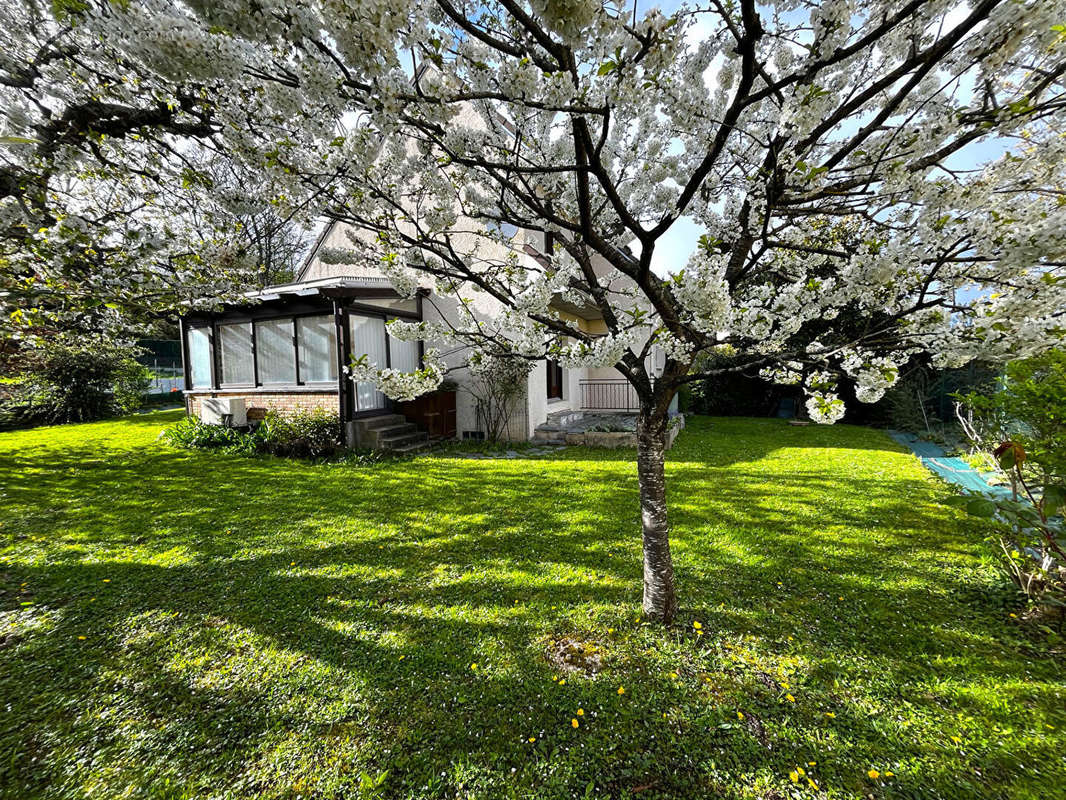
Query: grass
(183, 624)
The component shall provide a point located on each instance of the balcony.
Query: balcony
(614, 394)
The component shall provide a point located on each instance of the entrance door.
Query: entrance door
(555, 380)
(368, 338)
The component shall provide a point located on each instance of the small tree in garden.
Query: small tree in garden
(830, 151)
(498, 387)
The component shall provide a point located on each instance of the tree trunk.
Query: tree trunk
(660, 597)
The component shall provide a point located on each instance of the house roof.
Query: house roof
(341, 286)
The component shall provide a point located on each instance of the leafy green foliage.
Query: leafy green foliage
(301, 434)
(1027, 407)
(74, 379)
(190, 432)
(131, 384)
(276, 628)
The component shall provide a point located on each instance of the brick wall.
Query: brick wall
(258, 403)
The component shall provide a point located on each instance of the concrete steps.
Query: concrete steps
(554, 429)
(388, 432)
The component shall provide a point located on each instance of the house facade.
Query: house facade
(285, 349)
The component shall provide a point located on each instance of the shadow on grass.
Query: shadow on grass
(278, 628)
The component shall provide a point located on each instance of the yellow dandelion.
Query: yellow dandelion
(610, 630)
(888, 774)
(830, 714)
(574, 723)
(674, 675)
(874, 774)
(473, 666)
(107, 580)
(562, 682)
(812, 784)
(82, 638)
(840, 598)
(697, 626)
(581, 712)
(1014, 616)
(402, 657)
(621, 690)
(740, 715)
(292, 563)
(800, 771)
(532, 738)
(790, 698)
(811, 763)
(956, 739)
(794, 776)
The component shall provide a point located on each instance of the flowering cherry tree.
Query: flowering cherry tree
(896, 165)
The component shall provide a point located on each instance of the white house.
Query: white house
(287, 346)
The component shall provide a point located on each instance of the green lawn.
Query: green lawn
(181, 624)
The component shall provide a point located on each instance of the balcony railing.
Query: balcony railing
(615, 394)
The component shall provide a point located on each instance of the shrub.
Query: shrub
(190, 432)
(1019, 426)
(302, 434)
(131, 385)
(67, 379)
(1027, 406)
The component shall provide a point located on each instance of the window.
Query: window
(236, 347)
(368, 338)
(318, 349)
(403, 355)
(274, 351)
(555, 380)
(199, 357)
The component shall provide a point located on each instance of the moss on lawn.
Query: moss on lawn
(184, 624)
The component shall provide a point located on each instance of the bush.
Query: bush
(732, 394)
(190, 432)
(303, 434)
(131, 385)
(1019, 425)
(1027, 406)
(74, 380)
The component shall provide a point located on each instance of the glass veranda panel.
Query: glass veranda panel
(235, 343)
(199, 357)
(403, 355)
(318, 349)
(368, 338)
(275, 351)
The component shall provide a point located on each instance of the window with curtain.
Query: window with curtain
(275, 352)
(199, 343)
(368, 338)
(403, 355)
(235, 342)
(318, 349)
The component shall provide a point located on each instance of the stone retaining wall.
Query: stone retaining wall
(615, 439)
